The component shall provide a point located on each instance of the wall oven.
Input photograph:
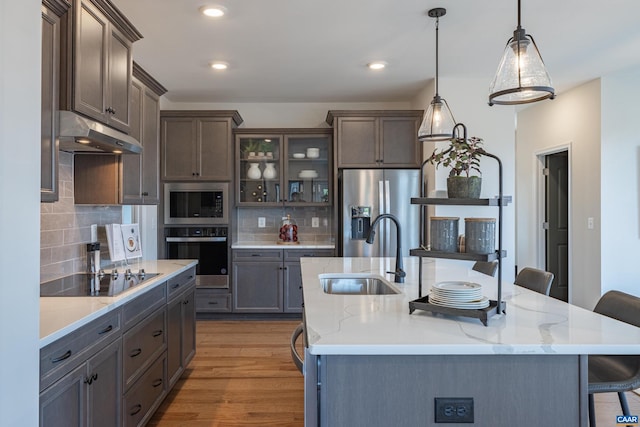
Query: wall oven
(206, 244)
(196, 203)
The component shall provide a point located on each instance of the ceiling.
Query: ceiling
(317, 51)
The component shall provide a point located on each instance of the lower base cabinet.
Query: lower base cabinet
(269, 281)
(89, 395)
(116, 370)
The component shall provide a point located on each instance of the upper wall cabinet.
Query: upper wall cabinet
(141, 172)
(290, 166)
(98, 49)
(197, 145)
(52, 10)
(376, 138)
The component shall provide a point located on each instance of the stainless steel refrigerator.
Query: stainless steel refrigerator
(367, 193)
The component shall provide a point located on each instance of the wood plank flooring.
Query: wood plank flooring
(242, 375)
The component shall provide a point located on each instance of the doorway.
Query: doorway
(556, 221)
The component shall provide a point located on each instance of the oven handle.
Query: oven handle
(196, 239)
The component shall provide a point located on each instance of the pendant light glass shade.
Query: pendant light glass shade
(521, 76)
(438, 121)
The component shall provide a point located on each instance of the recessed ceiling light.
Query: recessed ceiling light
(213, 11)
(218, 65)
(377, 65)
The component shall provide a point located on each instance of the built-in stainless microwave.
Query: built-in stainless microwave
(196, 203)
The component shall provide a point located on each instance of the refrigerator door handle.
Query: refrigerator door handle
(387, 197)
(381, 206)
(387, 228)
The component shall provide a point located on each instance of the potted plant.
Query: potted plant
(250, 148)
(463, 157)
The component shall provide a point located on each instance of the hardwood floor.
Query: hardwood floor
(242, 375)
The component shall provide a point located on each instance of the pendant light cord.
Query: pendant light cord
(437, 55)
(519, 26)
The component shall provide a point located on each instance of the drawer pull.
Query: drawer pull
(157, 382)
(135, 352)
(61, 358)
(213, 302)
(256, 255)
(176, 286)
(105, 330)
(136, 409)
(157, 333)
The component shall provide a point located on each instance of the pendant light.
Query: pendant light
(521, 77)
(438, 119)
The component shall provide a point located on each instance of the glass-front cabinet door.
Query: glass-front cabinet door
(291, 169)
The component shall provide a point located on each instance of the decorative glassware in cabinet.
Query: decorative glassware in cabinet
(308, 169)
(259, 165)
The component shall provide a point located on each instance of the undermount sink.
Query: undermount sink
(356, 284)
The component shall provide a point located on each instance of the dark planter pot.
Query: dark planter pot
(461, 187)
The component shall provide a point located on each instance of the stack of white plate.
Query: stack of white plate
(466, 295)
(308, 173)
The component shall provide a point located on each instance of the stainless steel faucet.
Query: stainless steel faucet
(399, 273)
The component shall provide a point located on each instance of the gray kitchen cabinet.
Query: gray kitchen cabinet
(181, 330)
(257, 281)
(197, 145)
(211, 300)
(143, 398)
(269, 281)
(376, 138)
(52, 10)
(287, 175)
(81, 376)
(100, 63)
(293, 301)
(141, 172)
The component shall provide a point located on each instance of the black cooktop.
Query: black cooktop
(82, 285)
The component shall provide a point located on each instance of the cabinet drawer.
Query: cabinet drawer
(140, 402)
(257, 255)
(144, 305)
(142, 344)
(63, 355)
(211, 300)
(181, 282)
(295, 255)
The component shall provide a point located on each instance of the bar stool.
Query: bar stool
(486, 267)
(615, 373)
(534, 279)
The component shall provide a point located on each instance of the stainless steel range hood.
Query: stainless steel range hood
(80, 134)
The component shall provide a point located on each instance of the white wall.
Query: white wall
(19, 211)
(573, 119)
(620, 178)
(496, 125)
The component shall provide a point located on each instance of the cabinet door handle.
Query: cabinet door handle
(61, 358)
(145, 193)
(91, 379)
(185, 302)
(135, 352)
(105, 330)
(157, 382)
(157, 333)
(135, 409)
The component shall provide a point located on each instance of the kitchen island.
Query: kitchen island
(369, 362)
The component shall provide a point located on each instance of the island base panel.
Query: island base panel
(507, 390)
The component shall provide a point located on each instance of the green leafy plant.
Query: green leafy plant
(462, 156)
(252, 145)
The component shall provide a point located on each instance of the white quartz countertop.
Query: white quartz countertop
(62, 315)
(275, 245)
(381, 324)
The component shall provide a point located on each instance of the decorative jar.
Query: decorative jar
(254, 171)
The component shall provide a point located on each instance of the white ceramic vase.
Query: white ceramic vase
(269, 171)
(254, 171)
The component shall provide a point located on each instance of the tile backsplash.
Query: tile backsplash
(65, 228)
(248, 230)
